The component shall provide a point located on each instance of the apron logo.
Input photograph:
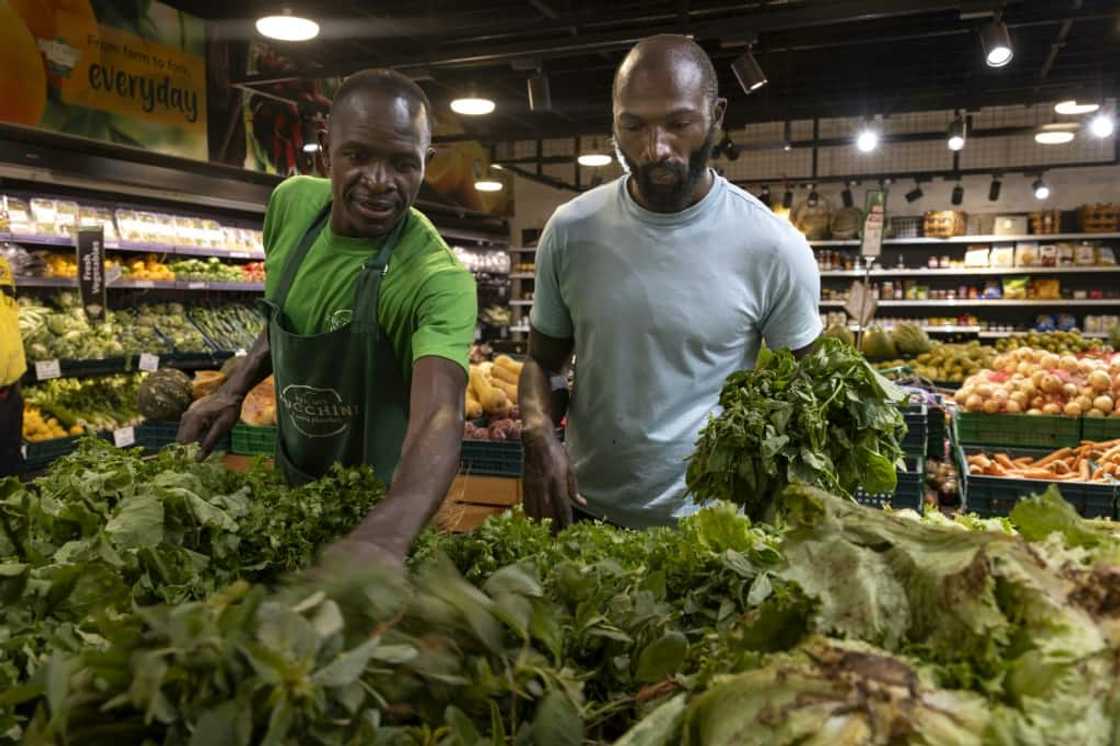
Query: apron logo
(339, 319)
(315, 412)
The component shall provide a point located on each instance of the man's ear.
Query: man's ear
(428, 156)
(325, 149)
(718, 111)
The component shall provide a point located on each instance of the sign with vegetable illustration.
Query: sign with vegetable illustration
(130, 73)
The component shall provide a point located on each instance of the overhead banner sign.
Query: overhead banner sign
(129, 73)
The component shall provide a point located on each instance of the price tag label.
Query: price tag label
(149, 362)
(23, 452)
(143, 283)
(196, 286)
(48, 369)
(240, 352)
(124, 437)
(239, 254)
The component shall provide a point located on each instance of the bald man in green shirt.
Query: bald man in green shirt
(370, 320)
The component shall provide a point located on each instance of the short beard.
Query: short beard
(675, 198)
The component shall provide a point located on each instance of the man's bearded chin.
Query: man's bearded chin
(673, 196)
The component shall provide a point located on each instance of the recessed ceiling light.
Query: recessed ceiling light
(1058, 133)
(488, 185)
(287, 27)
(472, 107)
(1072, 108)
(868, 140)
(595, 160)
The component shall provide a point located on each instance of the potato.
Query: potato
(1100, 381)
(1073, 409)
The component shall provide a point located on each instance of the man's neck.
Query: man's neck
(700, 192)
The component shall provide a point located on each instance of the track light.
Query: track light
(958, 131)
(1058, 133)
(996, 41)
(958, 195)
(1041, 189)
(488, 185)
(287, 27)
(868, 139)
(915, 194)
(748, 72)
(1073, 108)
(846, 195)
(472, 106)
(540, 93)
(730, 149)
(1103, 125)
(814, 198)
(993, 190)
(787, 137)
(764, 195)
(787, 198)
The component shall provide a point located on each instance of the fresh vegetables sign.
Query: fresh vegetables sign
(131, 73)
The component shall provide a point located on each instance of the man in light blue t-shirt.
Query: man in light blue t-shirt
(663, 282)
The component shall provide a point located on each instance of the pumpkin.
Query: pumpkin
(206, 382)
(165, 394)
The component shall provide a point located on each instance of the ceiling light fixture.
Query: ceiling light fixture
(1057, 133)
(1041, 189)
(488, 185)
(287, 27)
(472, 106)
(916, 193)
(868, 139)
(958, 132)
(1103, 125)
(1071, 108)
(787, 198)
(540, 93)
(729, 148)
(311, 147)
(958, 194)
(993, 190)
(814, 198)
(594, 157)
(996, 41)
(846, 195)
(748, 72)
(764, 195)
(787, 136)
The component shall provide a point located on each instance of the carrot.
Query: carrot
(1024, 461)
(1003, 460)
(1111, 453)
(1037, 474)
(1055, 456)
(996, 470)
(1083, 470)
(1098, 475)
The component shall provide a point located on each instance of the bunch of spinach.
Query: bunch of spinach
(828, 420)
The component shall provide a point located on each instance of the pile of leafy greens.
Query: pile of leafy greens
(828, 420)
(847, 625)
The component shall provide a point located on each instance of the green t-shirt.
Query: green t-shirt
(428, 304)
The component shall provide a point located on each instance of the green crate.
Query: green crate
(1019, 430)
(249, 441)
(1100, 428)
(155, 436)
(491, 458)
(909, 493)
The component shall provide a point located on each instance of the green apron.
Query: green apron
(340, 396)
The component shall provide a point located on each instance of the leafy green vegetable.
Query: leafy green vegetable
(828, 420)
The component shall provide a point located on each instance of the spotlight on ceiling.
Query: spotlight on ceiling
(540, 93)
(729, 148)
(748, 72)
(1041, 189)
(787, 137)
(764, 195)
(867, 140)
(915, 194)
(1103, 125)
(311, 147)
(488, 185)
(958, 131)
(787, 198)
(958, 194)
(993, 190)
(996, 41)
(814, 198)
(1071, 108)
(472, 106)
(846, 195)
(287, 27)
(1057, 133)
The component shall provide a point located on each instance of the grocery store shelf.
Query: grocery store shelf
(933, 329)
(973, 303)
(46, 282)
(521, 302)
(131, 363)
(123, 284)
(969, 271)
(975, 239)
(126, 284)
(522, 276)
(144, 248)
(519, 329)
(1019, 333)
(465, 234)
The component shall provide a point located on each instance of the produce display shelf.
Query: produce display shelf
(520, 302)
(975, 239)
(491, 458)
(131, 363)
(127, 284)
(46, 282)
(970, 271)
(997, 496)
(959, 303)
(909, 493)
(933, 329)
(1021, 333)
(133, 246)
(1018, 430)
(249, 441)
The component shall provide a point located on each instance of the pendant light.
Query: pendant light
(957, 134)
(287, 27)
(1057, 133)
(473, 106)
(748, 72)
(1072, 108)
(996, 41)
(485, 183)
(595, 157)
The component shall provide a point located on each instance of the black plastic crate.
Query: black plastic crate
(997, 496)
(910, 491)
(916, 442)
(491, 458)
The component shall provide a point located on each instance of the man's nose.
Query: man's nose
(376, 176)
(658, 145)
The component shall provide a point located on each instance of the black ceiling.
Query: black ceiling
(822, 57)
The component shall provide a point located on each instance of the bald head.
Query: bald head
(673, 55)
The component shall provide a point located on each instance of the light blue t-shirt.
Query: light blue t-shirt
(662, 309)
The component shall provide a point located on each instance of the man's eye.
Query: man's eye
(680, 124)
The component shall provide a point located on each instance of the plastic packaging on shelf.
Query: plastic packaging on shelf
(493, 262)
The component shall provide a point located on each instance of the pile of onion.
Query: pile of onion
(1029, 381)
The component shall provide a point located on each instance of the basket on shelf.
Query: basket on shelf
(945, 223)
(1046, 222)
(1100, 218)
(846, 223)
(814, 221)
(906, 226)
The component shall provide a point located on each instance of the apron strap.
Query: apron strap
(295, 259)
(367, 290)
